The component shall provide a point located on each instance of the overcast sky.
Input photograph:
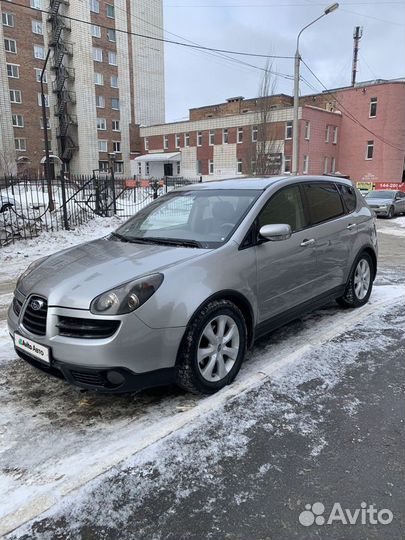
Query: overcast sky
(194, 79)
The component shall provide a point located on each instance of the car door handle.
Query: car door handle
(309, 242)
(351, 226)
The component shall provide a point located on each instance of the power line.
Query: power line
(275, 5)
(349, 114)
(371, 17)
(154, 38)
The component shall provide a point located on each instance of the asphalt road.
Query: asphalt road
(327, 429)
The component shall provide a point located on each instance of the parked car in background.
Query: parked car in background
(181, 290)
(387, 202)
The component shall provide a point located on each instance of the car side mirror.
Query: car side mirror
(397, 197)
(276, 232)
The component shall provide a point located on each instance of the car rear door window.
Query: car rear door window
(324, 201)
(349, 196)
(285, 207)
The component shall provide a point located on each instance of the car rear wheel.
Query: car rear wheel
(213, 348)
(360, 284)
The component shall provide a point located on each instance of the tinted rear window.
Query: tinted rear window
(349, 196)
(324, 201)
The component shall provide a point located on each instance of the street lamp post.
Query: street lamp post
(297, 60)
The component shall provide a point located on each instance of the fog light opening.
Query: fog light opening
(115, 378)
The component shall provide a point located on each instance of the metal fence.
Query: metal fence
(29, 206)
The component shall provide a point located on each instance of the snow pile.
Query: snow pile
(394, 227)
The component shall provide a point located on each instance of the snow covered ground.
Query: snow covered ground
(56, 440)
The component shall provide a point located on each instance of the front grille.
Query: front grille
(34, 319)
(86, 328)
(17, 305)
(93, 379)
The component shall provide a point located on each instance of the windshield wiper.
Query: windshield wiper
(173, 241)
(123, 238)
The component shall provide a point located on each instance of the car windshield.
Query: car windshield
(380, 195)
(195, 218)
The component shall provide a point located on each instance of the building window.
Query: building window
(307, 130)
(96, 31)
(98, 79)
(18, 120)
(165, 142)
(41, 123)
(225, 136)
(117, 146)
(116, 125)
(187, 139)
(199, 166)
(13, 71)
(20, 145)
(38, 72)
(101, 124)
(370, 150)
(333, 165)
(10, 45)
(254, 133)
(178, 168)
(199, 138)
(100, 102)
(147, 168)
(36, 4)
(373, 107)
(253, 166)
(305, 165)
(210, 166)
(335, 134)
(114, 81)
(95, 6)
(325, 165)
(97, 54)
(7, 19)
(39, 52)
(239, 168)
(109, 9)
(15, 96)
(287, 164)
(112, 58)
(211, 141)
(103, 166)
(39, 96)
(327, 134)
(119, 167)
(288, 130)
(37, 27)
(146, 143)
(102, 145)
(111, 35)
(177, 141)
(240, 135)
(115, 104)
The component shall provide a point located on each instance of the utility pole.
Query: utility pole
(297, 58)
(48, 175)
(358, 32)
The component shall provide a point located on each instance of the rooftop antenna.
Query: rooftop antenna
(358, 32)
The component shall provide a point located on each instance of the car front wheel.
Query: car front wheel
(391, 212)
(360, 283)
(213, 348)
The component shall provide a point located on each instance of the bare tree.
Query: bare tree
(7, 163)
(264, 151)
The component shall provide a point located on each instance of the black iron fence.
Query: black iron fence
(29, 206)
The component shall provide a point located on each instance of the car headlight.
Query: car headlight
(31, 267)
(127, 297)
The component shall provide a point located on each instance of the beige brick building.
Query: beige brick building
(101, 81)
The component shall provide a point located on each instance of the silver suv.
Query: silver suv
(180, 291)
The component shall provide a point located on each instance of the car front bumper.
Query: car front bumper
(382, 211)
(134, 357)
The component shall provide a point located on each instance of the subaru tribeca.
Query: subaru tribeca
(180, 291)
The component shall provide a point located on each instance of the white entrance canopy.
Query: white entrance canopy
(160, 156)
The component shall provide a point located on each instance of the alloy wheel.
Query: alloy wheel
(362, 279)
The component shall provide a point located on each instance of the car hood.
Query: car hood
(378, 202)
(74, 277)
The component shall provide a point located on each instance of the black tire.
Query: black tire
(391, 212)
(188, 374)
(350, 298)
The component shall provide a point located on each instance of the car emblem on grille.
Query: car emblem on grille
(37, 304)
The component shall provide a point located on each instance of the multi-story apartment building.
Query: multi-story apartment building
(101, 80)
(358, 131)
